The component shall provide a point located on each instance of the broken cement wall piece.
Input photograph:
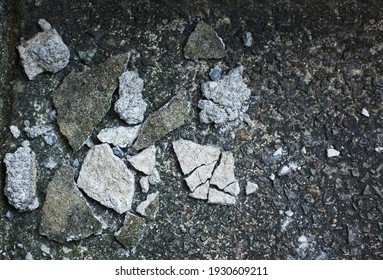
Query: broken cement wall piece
(45, 51)
(200, 176)
(20, 182)
(224, 173)
(144, 161)
(119, 136)
(218, 197)
(84, 98)
(150, 206)
(204, 43)
(201, 192)
(66, 215)
(132, 231)
(172, 115)
(105, 178)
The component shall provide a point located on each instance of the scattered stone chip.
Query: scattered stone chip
(150, 206)
(144, 161)
(119, 136)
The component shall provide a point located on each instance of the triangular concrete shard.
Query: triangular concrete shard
(218, 197)
(150, 206)
(233, 189)
(199, 176)
(224, 173)
(201, 192)
(145, 160)
(191, 155)
(105, 178)
(66, 215)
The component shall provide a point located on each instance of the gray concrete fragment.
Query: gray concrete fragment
(105, 178)
(224, 173)
(15, 131)
(155, 178)
(204, 43)
(174, 114)
(132, 231)
(191, 155)
(145, 160)
(45, 51)
(50, 163)
(144, 183)
(84, 98)
(20, 183)
(201, 192)
(150, 206)
(66, 215)
(200, 176)
(218, 197)
(120, 136)
(233, 189)
(50, 138)
(247, 39)
(37, 130)
(251, 187)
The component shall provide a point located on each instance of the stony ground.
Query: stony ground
(315, 72)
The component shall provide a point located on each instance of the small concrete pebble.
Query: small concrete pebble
(365, 112)
(247, 39)
(332, 153)
(15, 131)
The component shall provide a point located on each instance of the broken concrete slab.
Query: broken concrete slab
(191, 155)
(150, 206)
(201, 192)
(20, 182)
(218, 197)
(172, 115)
(119, 136)
(145, 160)
(84, 98)
(105, 178)
(45, 51)
(224, 173)
(204, 43)
(66, 215)
(200, 176)
(132, 231)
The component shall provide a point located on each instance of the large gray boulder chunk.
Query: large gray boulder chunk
(84, 98)
(45, 51)
(105, 178)
(20, 182)
(66, 215)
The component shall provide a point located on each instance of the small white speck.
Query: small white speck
(272, 176)
(365, 112)
(379, 149)
(289, 213)
(303, 151)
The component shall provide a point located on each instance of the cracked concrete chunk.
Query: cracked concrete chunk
(226, 101)
(233, 189)
(224, 173)
(191, 155)
(119, 136)
(132, 231)
(204, 43)
(105, 178)
(150, 206)
(66, 215)
(200, 176)
(45, 51)
(218, 197)
(20, 182)
(84, 98)
(174, 114)
(201, 192)
(145, 160)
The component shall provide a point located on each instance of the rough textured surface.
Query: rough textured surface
(132, 231)
(120, 136)
(66, 215)
(144, 161)
(204, 43)
(174, 114)
(84, 98)
(46, 51)
(20, 184)
(150, 206)
(105, 178)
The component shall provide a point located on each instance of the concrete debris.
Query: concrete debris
(15, 131)
(20, 182)
(332, 153)
(150, 206)
(215, 74)
(247, 39)
(131, 107)
(119, 136)
(251, 188)
(45, 51)
(200, 176)
(224, 173)
(172, 115)
(218, 197)
(286, 169)
(50, 138)
(37, 130)
(226, 101)
(45, 249)
(272, 177)
(50, 163)
(87, 56)
(154, 178)
(94, 88)
(145, 161)
(105, 178)
(204, 43)
(289, 213)
(28, 256)
(201, 192)
(132, 231)
(144, 183)
(233, 188)
(365, 113)
(9, 215)
(379, 149)
(118, 152)
(66, 215)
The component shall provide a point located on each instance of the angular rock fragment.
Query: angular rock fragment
(145, 160)
(224, 173)
(45, 51)
(132, 231)
(120, 136)
(15, 131)
(332, 153)
(155, 178)
(200, 176)
(66, 215)
(20, 182)
(172, 115)
(144, 183)
(105, 178)
(233, 188)
(84, 98)
(226, 101)
(204, 43)
(247, 39)
(131, 106)
(251, 188)
(37, 130)
(150, 206)
(201, 192)
(218, 197)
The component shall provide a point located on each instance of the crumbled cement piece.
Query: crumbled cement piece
(45, 249)
(224, 173)
(15, 131)
(226, 101)
(200, 176)
(145, 160)
(379, 149)
(50, 138)
(201, 192)
(20, 182)
(131, 106)
(118, 152)
(233, 188)
(149, 207)
(215, 73)
(45, 51)
(132, 231)
(278, 152)
(50, 163)
(332, 153)
(286, 169)
(247, 39)
(119, 136)
(37, 130)
(218, 197)
(251, 188)
(191, 155)
(172, 115)
(84, 98)
(204, 43)
(105, 178)
(9, 215)
(155, 178)
(365, 113)
(144, 183)
(66, 215)
(87, 56)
